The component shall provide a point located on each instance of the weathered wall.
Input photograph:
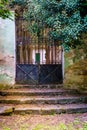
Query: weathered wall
(7, 51)
(76, 69)
(75, 74)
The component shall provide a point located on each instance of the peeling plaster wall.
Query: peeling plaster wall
(76, 69)
(7, 51)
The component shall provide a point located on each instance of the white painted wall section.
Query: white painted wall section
(7, 51)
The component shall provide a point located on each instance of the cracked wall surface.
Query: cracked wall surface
(7, 51)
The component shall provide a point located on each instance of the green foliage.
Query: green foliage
(18, 2)
(62, 17)
(83, 7)
(4, 9)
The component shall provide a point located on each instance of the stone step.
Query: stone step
(42, 109)
(43, 99)
(37, 92)
(51, 86)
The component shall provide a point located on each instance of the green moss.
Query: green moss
(6, 86)
(76, 75)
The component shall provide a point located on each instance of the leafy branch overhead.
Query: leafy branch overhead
(4, 9)
(63, 18)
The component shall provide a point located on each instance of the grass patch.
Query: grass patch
(76, 125)
(62, 126)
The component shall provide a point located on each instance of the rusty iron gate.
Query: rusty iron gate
(37, 62)
(38, 74)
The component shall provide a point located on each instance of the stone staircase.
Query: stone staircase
(42, 101)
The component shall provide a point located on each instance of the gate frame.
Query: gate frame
(38, 64)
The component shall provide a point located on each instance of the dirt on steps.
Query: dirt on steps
(42, 101)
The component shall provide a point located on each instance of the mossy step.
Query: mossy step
(42, 109)
(43, 99)
(36, 92)
(6, 109)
